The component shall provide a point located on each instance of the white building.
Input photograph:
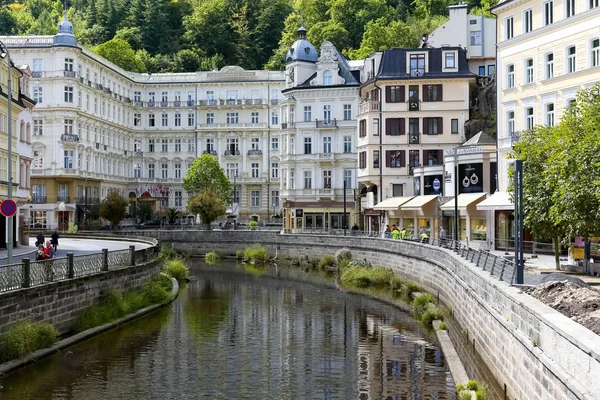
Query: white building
(98, 127)
(318, 137)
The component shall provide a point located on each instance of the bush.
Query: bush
(167, 252)
(239, 254)
(409, 288)
(256, 254)
(482, 392)
(464, 395)
(421, 303)
(430, 315)
(327, 261)
(442, 327)
(253, 224)
(343, 254)
(175, 268)
(24, 338)
(361, 277)
(212, 258)
(472, 385)
(397, 283)
(343, 264)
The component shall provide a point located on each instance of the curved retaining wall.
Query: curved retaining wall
(502, 322)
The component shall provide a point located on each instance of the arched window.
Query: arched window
(327, 80)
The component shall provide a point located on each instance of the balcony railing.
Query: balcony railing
(38, 199)
(138, 153)
(327, 123)
(232, 153)
(138, 103)
(255, 152)
(90, 201)
(211, 152)
(368, 106)
(62, 199)
(230, 102)
(286, 125)
(274, 102)
(67, 137)
(70, 74)
(206, 102)
(164, 103)
(515, 137)
(36, 74)
(253, 101)
(177, 103)
(151, 103)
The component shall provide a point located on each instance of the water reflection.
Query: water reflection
(232, 335)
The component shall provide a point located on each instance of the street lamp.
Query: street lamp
(9, 241)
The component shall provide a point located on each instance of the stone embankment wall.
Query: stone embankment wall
(533, 351)
(61, 302)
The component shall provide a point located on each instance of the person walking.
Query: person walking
(403, 234)
(396, 233)
(442, 236)
(49, 250)
(388, 232)
(55, 241)
(424, 236)
(40, 240)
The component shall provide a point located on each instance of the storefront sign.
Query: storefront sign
(433, 184)
(470, 178)
(464, 150)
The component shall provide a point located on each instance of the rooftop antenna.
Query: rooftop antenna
(65, 7)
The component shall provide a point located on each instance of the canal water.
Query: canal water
(237, 333)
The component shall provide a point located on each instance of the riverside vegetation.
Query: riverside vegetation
(25, 338)
(464, 391)
(173, 262)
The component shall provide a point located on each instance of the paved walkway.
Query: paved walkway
(70, 245)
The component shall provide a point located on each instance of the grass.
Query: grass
(212, 258)
(114, 305)
(343, 254)
(367, 277)
(464, 395)
(24, 338)
(256, 254)
(176, 268)
(167, 252)
(442, 327)
(239, 254)
(472, 385)
(327, 261)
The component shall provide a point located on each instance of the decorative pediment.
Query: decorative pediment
(328, 52)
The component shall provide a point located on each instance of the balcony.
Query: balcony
(67, 137)
(151, 103)
(249, 102)
(515, 137)
(325, 156)
(211, 152)
(191, 103)
(62, 199)
(326, 123)
(274, 102)
(90, 201)
(38, 200)
(177, 103)
(164, 103)
(70, 74)
(255, 152)
(36, 74)
(286, 125)
(98, 86)
(413, 105)
(368, 106)
(230, 102)
(107, 90)
(231, 153)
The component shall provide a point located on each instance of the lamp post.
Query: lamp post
(233, 201)
(9, 240)
(456, 218)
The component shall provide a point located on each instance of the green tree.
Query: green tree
(331, 31)
(144, 211)
(113, 207)
(121, 53)
(288, 37)
(209, 204)
(207, 28)
(45, 24)
(353, 15)
(172, 215)
(215, 62)
(187, 61)
(131, 35)
(206, 174)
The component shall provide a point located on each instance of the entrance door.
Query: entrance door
(63, 220)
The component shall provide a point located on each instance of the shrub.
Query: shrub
(253, 224)
(212, 258)
(430, 315)
(460, 387)
(343, 264)
(482, 392)
(24, 338)
(256, 254)
(343, 254)
(167, 252)
(421, 303)
(396, 283)
(472, 385)
(72, 227)
(175, 268)
(327, 261)
(442, 327)
(409, 288)
(361, 277)
(464, 395)
(239, 254)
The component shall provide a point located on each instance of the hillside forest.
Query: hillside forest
(192, 35)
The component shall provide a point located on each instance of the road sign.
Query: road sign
(8, 208)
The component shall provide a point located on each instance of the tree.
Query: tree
(120, 52)
(331, 31)
(207, 175)
(172, 215)
(209, 204)
(113, 207)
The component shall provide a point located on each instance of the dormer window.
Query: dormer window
(327, 79)
(450, 60)
(417, 65)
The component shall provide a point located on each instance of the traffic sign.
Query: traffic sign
(8, 208)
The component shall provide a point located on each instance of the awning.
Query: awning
(393, 203)
(418, 202)
(497, 201)
(68, 207)
(464, 199)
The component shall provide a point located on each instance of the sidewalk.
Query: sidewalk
(18, 254)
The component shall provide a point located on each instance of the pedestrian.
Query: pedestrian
(424, 236)
(40, 239)
(49, 251)
(395, 233)
(388, 232)
(403, 234)
(442, 236)
(55, 241)
(41, 254)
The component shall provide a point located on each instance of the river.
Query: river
(248, 334)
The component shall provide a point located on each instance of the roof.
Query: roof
(463, 200)
(351, 77)
(392, 203)
(497, 201)
(419, 201)
(393, 60)
(302, 49)
(479, 139)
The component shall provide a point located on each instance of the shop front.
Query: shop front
(318, 217)
(499, 210)
(473, 222)
(391, 209)
(420, 212)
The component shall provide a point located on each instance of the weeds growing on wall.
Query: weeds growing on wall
(168, 253)
(212, 258)
(256, 254)
(114, 305)
(24, 338)
(175, 268)
(327, 261)
(366, 277)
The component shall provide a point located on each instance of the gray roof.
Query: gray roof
(344, 71)
(394, 59)
(478, 139)
(302, 49)
(65, 36)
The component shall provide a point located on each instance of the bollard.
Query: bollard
(26, 273)
(104, 259)
(70, 266)
(132, 255)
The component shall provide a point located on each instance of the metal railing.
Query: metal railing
(35, 273)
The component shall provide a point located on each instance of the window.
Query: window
(232, 146)
(254, 143)
(38, 94)
(38, 127)
(38, 159)
(454, 125)
(475, 38)
(38, 65)
(232, 170)
(307, 180)
(164, 119)
(417, 65)
(68, 94)
(191, 146)
(274, 118)
(394, 94)
(150, 170)
(362, 160)
(210, 118)
(570, 8)
(509, 28)
(571, 60)
(527, 20)
(68, 159)
(362, 128)
(151, 98)
(395, 159)
(177, 171)
(137, 97)
(178, 198)
(413, 130)
(595, 52)
(164, 145)
(150, 145)
(593, 3)
(491, 69)
(510, 76)
(549, 66)
(347, 144)
(191, 119)
(137, 119)
(432, 126)
(348, 178)
(307, 145)
(413, 161)
(327, 112)
(275, 198)
(137, 171)
(432, 92)
(375, 158)
(394, 126)
(327, 145)
(274, 143)
(68, 126)
(327, 79)
(177, 96)
(550, 114)
(68, 64)
(548, 16)
(450, 60)
(275, 170)
(164, 171)
(413, 98)
(529, 118)
(177, 119)
(529, 70)
(254, 117)
(210, 145)
(255, 194)
(375, 126)
(150, 119)
(307, 113)
(347, 112)
(327, 179)
(433, 157)
(510, 123)
(233, 118)
(164, 97)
